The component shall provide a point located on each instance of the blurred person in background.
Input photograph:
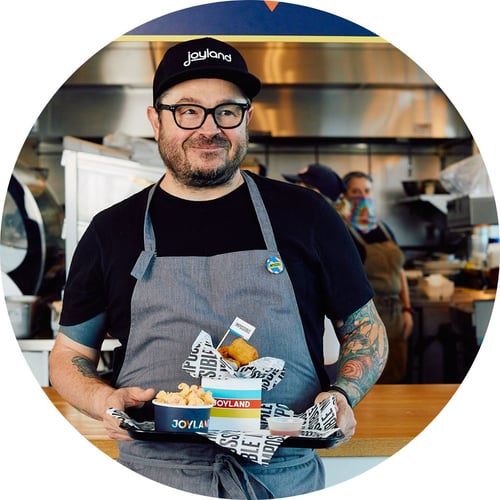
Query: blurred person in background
(384, 268)
(327, 182)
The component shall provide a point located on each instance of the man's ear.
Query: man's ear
(154, 119)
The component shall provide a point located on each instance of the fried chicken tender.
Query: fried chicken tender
(225, 354)
(242, 351)
(187, 396)
(224, 351)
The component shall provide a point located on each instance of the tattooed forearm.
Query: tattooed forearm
(363, 351)
(85, 367)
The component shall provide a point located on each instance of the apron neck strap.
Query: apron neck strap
(147, 255)
(149, 234)
(260, 210)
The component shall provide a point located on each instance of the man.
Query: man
(191, 253)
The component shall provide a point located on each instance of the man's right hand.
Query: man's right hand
(121, 399)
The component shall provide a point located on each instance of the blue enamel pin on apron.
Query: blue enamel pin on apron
(275, 265)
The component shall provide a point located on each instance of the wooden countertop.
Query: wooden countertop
(462, 297)
(389, 417)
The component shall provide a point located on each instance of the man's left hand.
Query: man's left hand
(345, 416)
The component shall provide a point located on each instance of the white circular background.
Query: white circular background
(43, 43)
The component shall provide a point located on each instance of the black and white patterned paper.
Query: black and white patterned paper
(205, 361)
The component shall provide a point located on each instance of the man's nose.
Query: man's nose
(209, 126)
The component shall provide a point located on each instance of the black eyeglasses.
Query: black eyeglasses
(193, 116)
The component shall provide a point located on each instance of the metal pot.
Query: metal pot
(20, 308)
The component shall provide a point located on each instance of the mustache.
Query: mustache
(208, 141)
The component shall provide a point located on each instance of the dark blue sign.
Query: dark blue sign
(251, 17)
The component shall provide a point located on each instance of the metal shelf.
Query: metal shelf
(440, 201)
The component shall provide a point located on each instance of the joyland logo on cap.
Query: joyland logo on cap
(206, 54)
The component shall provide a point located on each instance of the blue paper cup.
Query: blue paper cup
(176, 418)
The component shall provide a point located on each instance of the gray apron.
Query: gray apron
(176, 297)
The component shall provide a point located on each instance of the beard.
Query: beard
(186, 173)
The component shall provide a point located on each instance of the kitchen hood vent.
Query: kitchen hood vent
(318, 90)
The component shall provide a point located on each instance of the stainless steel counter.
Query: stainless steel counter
(474, 307)
(447, 334)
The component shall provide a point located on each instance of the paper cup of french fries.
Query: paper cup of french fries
(187, 410)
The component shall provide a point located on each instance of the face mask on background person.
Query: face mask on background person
(362, 214)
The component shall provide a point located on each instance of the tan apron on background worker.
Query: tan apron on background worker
(383, 265)
(169, 308)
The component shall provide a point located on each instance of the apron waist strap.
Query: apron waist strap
(227, 472)
(228, 475)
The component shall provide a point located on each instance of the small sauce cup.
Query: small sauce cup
(285, 426)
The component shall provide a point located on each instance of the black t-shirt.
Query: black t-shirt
(318, 252)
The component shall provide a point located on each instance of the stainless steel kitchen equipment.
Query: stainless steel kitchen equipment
(22, 237)
(31, 251)
(372, 90)
(90, 169)
(22, 309)
(466, 211)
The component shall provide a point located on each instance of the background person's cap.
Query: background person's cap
(203, 58)
(320, 177)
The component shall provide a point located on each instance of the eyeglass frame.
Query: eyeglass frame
(245, 106)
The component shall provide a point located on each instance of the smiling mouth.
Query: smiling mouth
(213, 147)
(208, 152)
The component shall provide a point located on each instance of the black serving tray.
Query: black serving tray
(194, 437)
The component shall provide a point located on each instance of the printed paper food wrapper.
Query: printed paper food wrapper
(205, 361)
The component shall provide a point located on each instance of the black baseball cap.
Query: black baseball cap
(203, 58)
(320, 177)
